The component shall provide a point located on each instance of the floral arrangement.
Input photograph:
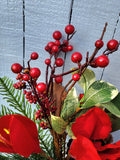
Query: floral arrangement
(63, 125)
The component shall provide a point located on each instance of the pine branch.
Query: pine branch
(46, 141)
(14, 99)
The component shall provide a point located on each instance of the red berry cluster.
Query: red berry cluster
(57, 45)
(39, 114)
(44, 125)
(30, 97)
(54, 48)
(20, 85)
(103, 60)
(43, 92)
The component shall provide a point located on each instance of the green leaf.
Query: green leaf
(70, 104)
(87, 78)
(58, 124)
(99, 92)
(115, 123)
(113, 106)
(69, 131)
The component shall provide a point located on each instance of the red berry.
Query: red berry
(59, 62)
(35, 72)
(64, 49)
(112, 44)
(59, 79)
(69, 29)
(55, 49)
(76, 57)
(50, 44)
(76, 77)
(57, 43)
(26, 77)
(47, 48)
(41, 87)
(34, 56)
(16, 68)
(93, 63)
(65, 42)
(102, 61)
(81, 96)
(70, 48)
(99, 43)
(57, 35)
(48, 61)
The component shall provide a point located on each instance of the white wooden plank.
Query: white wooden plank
(11, 33)
(11, 43)
(42, 19)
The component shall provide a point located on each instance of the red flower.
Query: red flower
(110, 151)
(18, 134)
(93, 125)
(83, 149)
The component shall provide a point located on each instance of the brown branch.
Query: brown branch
(104, 30)
(85, 65)
(65, 73)
(45, 155)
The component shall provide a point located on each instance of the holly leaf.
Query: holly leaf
(86, 79)
(58, 124)
(99, 92)
(70, 104)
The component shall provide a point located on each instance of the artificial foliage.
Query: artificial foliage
(50, 121)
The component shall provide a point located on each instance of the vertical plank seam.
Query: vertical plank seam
(71, 9)
(69, 22)
(23, 39)
(23, 33)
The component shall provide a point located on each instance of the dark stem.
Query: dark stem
(85, 65)
(65, 73)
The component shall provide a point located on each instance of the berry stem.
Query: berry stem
(65, 73)
(110, 52)
(29, 64)
(104, 30)
(31, 83)
(88, 60)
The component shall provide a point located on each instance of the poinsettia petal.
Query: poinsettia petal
(6, 148)
(83, 149)
(109, 151)
(4, 127)
(24, 136)
(103, 124)
(94, 124)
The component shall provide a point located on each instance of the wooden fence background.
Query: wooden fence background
(27, 26)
